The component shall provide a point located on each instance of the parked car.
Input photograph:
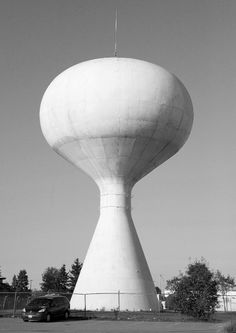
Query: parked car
(46, 308)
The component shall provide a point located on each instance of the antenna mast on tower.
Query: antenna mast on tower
(115, 35)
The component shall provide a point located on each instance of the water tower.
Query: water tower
(116, 119)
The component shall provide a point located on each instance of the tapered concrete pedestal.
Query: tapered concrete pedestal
(115, 273)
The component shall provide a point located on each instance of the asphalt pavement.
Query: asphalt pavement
(10, 325)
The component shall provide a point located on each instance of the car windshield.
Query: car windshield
(40, 302)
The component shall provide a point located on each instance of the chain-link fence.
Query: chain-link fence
(90, 305)
(12, 303)
(115, 301)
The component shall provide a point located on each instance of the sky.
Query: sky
(184, 209)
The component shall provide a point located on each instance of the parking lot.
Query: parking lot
(9, 325)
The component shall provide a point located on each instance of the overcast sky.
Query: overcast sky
(184, 209)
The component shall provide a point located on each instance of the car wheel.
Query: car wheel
(48, 318)
(66, 315)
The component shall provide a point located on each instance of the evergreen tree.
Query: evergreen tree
(74, 273)
(22, 281)
(63, 279)
(195, 292)
(14, 282)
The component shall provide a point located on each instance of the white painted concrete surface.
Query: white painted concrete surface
(117, 119)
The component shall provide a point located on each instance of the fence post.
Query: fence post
(4, 302)
(117, 310)
(14, 306)
(85, 305)
(118, 300)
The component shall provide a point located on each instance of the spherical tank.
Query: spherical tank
(116, 119)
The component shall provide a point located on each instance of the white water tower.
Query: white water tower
(117, 119)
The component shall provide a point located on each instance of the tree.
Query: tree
(59, 280)
(22, 281)
(170, 302)
(63, 279)
(50, 280)
(74, 273)
(4, 286)
(195, 292)
(225, 284)
(14, 282)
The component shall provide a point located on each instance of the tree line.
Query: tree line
(59, 280)
(194, 292)
(53, 279)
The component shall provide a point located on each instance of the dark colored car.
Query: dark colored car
(46, 308)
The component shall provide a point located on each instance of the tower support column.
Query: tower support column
(115, 263)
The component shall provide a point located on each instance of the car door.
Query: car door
(61, 307)
(54, 308)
